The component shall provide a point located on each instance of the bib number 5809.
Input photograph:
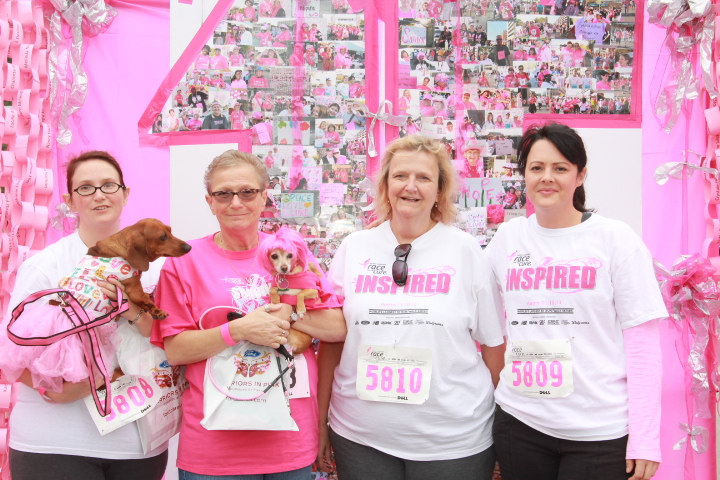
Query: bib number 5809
(526, 373)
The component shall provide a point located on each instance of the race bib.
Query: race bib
(539, 368)
(394, 374)
(299, 381)
(501, 55)
(133, 396)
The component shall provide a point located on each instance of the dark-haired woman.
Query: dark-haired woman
(53, 435)
(579, 396)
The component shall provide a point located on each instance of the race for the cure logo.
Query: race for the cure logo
(562, 276)
(522, 260)
(377, 269)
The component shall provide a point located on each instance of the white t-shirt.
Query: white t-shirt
(449, 302)
(585, 283)
(67, 429)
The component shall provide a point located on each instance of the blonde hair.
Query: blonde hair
(444, 209)
(234, 158)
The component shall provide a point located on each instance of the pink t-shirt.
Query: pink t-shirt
(190, 285)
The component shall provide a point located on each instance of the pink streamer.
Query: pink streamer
(693, 301)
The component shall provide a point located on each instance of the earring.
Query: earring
(436, 205)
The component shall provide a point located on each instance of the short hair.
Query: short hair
(234, 158)
(445, 210)
(569, 144)
(93, 155)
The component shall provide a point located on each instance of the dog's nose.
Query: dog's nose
(284, 268)
(186, 248)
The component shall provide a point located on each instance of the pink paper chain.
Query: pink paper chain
(26, 162)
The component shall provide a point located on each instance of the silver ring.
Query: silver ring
(267, 308)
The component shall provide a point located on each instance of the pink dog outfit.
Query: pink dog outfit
(64, 359)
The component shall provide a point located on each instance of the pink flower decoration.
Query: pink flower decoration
(495, 214)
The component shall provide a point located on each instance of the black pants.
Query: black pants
(526, 454)
(43, 466)
(360, 462)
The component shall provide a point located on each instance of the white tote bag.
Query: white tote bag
(246, 389)
(138, 356)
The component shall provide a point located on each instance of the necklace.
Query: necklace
(246, 277)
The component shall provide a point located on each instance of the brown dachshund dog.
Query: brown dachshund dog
(140, 244)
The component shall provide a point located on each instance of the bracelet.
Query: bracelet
(42, 391)
(225, 332)
(132, 322)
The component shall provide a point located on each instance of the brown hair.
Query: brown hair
(444, 211)
(94, 155)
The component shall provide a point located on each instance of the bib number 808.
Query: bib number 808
(387, 377)
(135, 394)
(538, 373)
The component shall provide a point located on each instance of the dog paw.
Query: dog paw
(158, 314)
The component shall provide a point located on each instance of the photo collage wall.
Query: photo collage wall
(469, 71)
(294, 73)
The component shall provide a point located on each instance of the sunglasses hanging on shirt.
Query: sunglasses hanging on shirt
(399, 267)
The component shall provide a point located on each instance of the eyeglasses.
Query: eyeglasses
(245, 195)
(399, 267)
(110, 187)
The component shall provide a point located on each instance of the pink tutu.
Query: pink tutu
(64, 360)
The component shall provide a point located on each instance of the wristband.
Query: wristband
(42, 392)
(225, 332)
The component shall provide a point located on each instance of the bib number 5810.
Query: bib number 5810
(389, 377)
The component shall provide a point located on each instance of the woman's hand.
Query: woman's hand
(142, 322)
(262, 326)
(74, 391)
(644, 469)
(324, 457)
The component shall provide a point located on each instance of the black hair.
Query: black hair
(569, 144)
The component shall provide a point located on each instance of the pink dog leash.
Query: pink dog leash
(83, 327)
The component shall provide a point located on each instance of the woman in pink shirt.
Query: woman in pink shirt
(223, 271)
(237, 117)
(236, 58)
(249, 14)
(218, 61)
(203, 60)
(270, 58)
(357, 90)
(332, 136)
(283, 37)
(404, 102)
(342, 59)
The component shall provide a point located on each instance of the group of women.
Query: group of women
(406, 396)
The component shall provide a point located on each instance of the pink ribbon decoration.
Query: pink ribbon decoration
(68, 80)
(675, 170)
(691, 28)
(693, 300)
(65, 220)
(384, 116)
(698, 438)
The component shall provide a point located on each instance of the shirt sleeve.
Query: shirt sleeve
(490, 324)
(636, 291)
(170, 296)
(336, 275)
(644, 383)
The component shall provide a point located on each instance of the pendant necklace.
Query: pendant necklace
(246, 277)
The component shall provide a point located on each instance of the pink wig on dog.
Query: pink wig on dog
(285, 239)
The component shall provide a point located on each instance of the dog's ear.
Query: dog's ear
(136, 254)
(113, 246)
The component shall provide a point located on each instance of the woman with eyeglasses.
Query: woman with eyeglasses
(53, 435)
(581, 300)
(411, 397)
(223, 270)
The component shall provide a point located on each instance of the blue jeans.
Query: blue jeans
(299, 474)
